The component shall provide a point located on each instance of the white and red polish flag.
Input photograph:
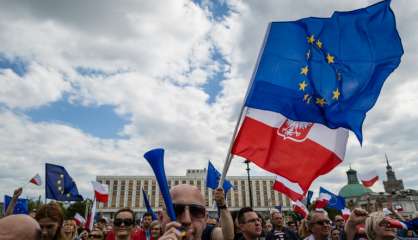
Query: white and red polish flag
(369, 178)
(79, 219)
(297, 152)
(299, 208)
(346, 213)
(36, 180)
(101, 191)
(322, 201)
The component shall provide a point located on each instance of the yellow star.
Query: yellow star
(320, 101)
(304, 70)
(330, 58)
(311, 39)
(319, 43)
(302, 86)
(336, 94)
(307, 98)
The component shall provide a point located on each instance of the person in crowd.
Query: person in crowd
(122, 226)
(319, 225)
(20, 226)
(378, 227)
(68, 230)
(50, 219)
(339, 222)
(84, 235)
(101, 224)
(189, 206)
(293, 226)
(279, 231)
(268, 226)
(96, 234)
(249, 224)
(335, 234)
(144, 231)
(303, 230)
(155, 228)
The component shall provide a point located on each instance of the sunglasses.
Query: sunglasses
(126, 222)
(323, 222)
(196, 211)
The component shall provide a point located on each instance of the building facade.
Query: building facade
(126, 191)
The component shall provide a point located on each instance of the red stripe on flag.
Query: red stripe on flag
(371, 182)
(300, 162)
(278, 186)
(101, 197)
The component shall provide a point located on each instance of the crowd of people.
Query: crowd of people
(192, 222)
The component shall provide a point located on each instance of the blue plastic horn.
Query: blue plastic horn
(155, 158)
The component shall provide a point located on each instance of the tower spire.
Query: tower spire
(387, 160)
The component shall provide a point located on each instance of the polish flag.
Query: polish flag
(300, 208)
(322, 201)
(36, 180)
(398, 208)
(297, 152)
(369, 178)
(79, 219)
(101, 191)
(346, 213)
(396, 223)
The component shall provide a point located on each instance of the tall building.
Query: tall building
(391, 184)
(353, 189)
(125, 191)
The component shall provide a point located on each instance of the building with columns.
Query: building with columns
(125, 191)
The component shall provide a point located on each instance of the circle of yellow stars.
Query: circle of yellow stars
(303, 85)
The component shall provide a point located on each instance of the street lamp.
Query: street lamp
(249, 182)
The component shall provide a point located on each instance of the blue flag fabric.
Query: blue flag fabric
(59, 185)
(278, 207)
(327, 70)
(21, 207)
(148, 206)
(336, 201)
(212, 179)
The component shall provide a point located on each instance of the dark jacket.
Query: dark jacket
(288, 235)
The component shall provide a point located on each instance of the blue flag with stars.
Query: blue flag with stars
(327, 70)
(59, 185)
(212, 179)
(21, 207)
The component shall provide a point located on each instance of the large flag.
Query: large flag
(336, 202)
(148, 206)
(36, 180)
(59, 185)
(101, 191)
(212, 179)
(369, 178)
(296, 152)
(21, 207)
(327, 70)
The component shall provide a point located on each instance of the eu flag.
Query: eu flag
(148, 206)
(327, 70)
(59, 184)
(212, 179)
(21, 207)
(336, 202)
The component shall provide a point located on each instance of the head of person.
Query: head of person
(335, 234)
(292, 226)
(319, 224)
(96, 234)
(84, 235)
(190, 210)
(268, 226)
(69, 227)
(123, 223)
(155, 229)
(19, 226)
(101, 224)
(339, 221)
(50, 219)
(377, 226)
(249, 223)
(146, 220)
(277, 219)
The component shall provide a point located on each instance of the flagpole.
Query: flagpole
(243, 108)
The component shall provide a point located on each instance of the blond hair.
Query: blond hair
(372, 222)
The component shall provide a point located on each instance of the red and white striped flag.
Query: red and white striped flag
(322, 201)
(300, 208)
(346, 213)
(79, 219)
(101, 191)
(369, 178)
(36, 180)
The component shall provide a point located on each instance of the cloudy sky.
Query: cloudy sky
(92, 85)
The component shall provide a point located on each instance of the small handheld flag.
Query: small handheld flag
(101, 191)
(36, 180)
(336, 202)
(369, 178)
(21, 207)
(212, 179)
